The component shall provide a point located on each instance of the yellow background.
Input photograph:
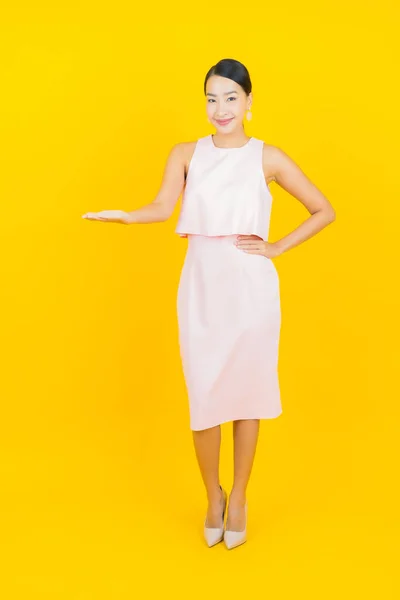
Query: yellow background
(101, 493)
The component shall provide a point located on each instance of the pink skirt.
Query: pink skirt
(229, 320)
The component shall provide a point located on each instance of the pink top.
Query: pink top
(225, 191)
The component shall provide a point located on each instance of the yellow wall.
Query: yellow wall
(102, 497)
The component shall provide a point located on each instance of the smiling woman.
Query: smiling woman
(228, 301)
(229, 106)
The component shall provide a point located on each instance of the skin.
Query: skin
(278, 167)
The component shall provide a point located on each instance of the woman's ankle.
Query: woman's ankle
(215, 495)
(238, 496)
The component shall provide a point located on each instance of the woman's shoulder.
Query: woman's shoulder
(270, 157)
(183, 150)
(187, 146)
(268, 148)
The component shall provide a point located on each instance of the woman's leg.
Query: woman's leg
(245, 436)
(207, 443)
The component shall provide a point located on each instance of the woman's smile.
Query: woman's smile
(224, 121)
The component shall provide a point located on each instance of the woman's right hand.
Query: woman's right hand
(111, 216)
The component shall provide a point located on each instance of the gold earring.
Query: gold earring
(248, 115)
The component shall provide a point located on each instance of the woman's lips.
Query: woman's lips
(225, 122)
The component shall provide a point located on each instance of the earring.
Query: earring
(249, 115)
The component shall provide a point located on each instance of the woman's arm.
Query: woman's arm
(291, 178)
(171, 188)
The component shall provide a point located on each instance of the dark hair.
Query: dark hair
(232, 69)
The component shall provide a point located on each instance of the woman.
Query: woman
(228, 297)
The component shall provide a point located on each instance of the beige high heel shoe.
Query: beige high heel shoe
(236, 538)
(214, 535)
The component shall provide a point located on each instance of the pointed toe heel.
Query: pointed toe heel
(214, 535)
(233, 539)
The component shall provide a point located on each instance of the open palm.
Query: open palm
(112, 216)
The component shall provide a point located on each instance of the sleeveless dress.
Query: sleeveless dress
(228, 301)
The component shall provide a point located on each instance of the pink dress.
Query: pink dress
(228, 301)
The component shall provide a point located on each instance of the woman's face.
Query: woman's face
(226, 103)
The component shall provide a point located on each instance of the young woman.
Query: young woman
(228, 299)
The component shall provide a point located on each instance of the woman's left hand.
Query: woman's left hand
(253, 244)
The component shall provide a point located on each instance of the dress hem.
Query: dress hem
(235, 419)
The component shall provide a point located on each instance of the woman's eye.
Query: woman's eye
(230, 98)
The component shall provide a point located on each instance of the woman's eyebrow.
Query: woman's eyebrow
(225, 94)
